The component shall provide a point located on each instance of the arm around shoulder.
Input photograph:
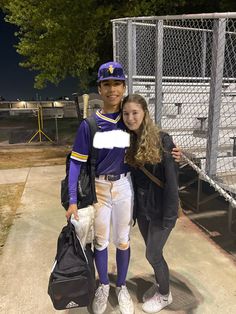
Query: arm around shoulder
(171, 195)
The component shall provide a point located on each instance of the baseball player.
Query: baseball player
(113, 186)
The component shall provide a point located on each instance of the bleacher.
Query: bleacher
(184, 115)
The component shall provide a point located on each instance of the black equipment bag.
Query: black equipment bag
(72, 280)
(86, 194)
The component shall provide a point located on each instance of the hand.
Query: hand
(177, 154)
(72, 209)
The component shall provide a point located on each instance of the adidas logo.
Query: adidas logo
(71, 304)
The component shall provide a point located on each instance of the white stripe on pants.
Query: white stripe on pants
(115, 205)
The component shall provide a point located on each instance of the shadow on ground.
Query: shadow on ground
(212, 216)
(186, 298)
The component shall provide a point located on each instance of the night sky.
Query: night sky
(17, 82)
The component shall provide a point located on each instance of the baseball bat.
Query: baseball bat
(85, 100)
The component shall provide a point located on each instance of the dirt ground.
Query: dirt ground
(22, 156)
(18, 156)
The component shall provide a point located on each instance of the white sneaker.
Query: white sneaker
(100, 300)
(150, 292)
(156, 303)
(124, 299)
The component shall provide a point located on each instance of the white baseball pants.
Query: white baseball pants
(114, 207)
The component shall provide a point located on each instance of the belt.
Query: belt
(112, 177)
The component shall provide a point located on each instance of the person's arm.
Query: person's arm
(79, 155)
(171, 195)
(74, 173)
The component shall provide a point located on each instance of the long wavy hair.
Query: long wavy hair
(145, 145)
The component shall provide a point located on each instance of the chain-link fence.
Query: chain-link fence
(185, 67)
(47, 120)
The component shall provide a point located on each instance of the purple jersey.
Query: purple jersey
(109, 161)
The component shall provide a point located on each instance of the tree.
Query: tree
(60, 38)
(57, 38)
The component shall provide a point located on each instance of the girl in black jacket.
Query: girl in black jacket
(155, 207)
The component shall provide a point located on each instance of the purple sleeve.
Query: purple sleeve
(74, 173)
(81, 146)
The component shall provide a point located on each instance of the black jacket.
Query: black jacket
(158, 204)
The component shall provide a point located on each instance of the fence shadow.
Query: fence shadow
(186, 297)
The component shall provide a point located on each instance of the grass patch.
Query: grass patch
(10, 196)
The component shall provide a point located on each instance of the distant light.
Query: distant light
(67, 98)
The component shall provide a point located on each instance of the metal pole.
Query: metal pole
(234, 145)
(134, 50)
(114, 39)
(41, 116)
(218, 48)
(39, 123)
(158, 72)
(56, 128)
(203, 54)
(213, 183)
(130, 56)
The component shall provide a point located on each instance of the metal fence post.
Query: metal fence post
(114, 41)
(56, 127)
(130, 56)
(158, 71)
(203, 72)
(217, 67)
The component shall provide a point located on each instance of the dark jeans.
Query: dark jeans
(155, 238)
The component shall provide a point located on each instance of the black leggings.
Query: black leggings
(155, 238)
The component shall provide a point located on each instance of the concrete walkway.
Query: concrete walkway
(203, 277)
(12, 176)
